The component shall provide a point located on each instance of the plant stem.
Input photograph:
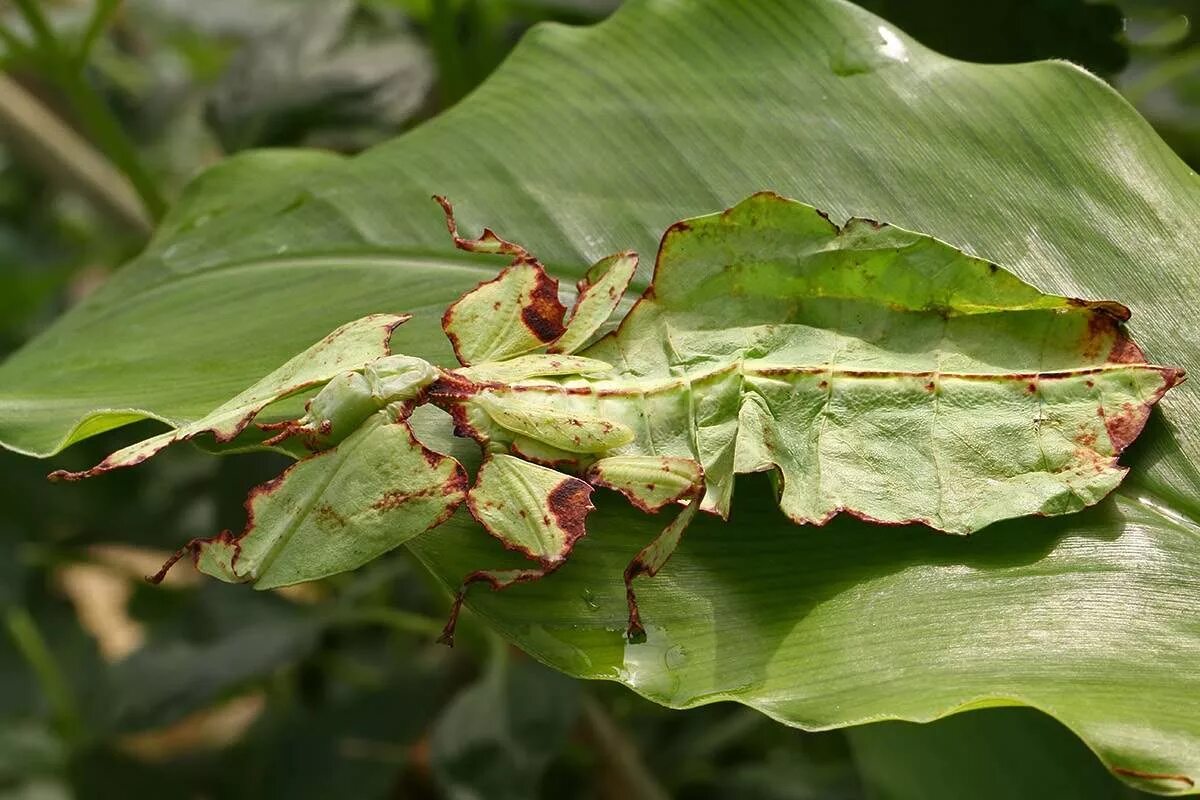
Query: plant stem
(101, 14)
(33, 648)
(37, 23)
(97, 117)
(14, 43)
(103, 124)
(621, 760)
(67, 156)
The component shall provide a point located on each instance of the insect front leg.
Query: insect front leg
(352, 397)
(499, 579)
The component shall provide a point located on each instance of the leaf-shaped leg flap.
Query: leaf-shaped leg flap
(651, 559)
(516, 312)
(533, 510)
(649, 482)
(337, 510)
(350, 347)
(600, 293)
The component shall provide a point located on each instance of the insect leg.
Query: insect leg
(499, 579)
(488, 242)
(531, 509)
(651, 559)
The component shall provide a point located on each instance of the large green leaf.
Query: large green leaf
(591, 141)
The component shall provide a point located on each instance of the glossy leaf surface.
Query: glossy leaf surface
(589, 142)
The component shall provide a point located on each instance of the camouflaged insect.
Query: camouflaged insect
(871, 370)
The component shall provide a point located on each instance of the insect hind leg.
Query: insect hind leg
(499, 579)
(651, 559)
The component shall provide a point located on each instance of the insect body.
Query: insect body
(870, 370)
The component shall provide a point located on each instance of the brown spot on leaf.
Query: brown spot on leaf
(1126, 351)
(328, 516)
(1101, 328)
(391, 500)
(1124, 426)
(544, 313)
(570, 502)
(1031, 387)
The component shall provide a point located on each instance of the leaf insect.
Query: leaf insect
(870, 370)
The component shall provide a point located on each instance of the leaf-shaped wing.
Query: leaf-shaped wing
(874, 370)
(338, 509)
(600, 293)
(349, 347)
(534, 510)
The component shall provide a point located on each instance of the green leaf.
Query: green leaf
(590, 142)
(993, 754)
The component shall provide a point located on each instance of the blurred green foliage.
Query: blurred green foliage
(109, 686)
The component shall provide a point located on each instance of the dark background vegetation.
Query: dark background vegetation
(110, 687)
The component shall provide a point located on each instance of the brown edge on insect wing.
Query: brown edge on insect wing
(108, 465)
(995, 377)
(544, 314)
(1124, 427)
